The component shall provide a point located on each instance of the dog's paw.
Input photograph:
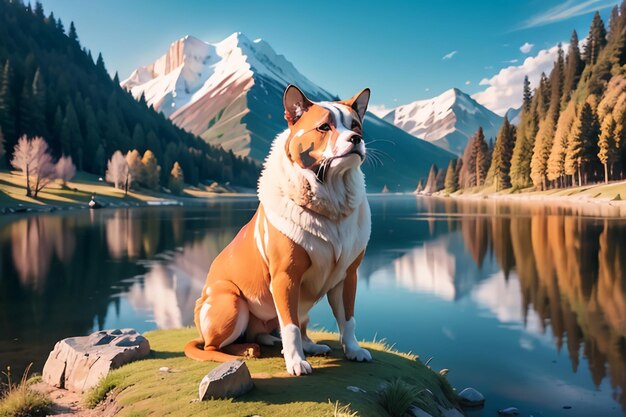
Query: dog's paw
(315, 349)
(298, 367)
(359, 355)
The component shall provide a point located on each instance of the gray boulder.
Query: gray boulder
(470, 397)
(79, 363)
(229, 380)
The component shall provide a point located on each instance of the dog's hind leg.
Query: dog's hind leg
(309, 346)
(222, 318)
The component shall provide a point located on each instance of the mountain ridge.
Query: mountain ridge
(230, 94)
(447, 120)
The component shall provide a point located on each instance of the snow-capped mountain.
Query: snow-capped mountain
(447, 120)
(230, 94)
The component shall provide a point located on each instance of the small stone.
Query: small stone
(470, 397)
(229, 380)
(355, 389)
(164, 369)
(567, 407)
(509, 411)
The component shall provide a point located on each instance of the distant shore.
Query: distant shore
(76, 194)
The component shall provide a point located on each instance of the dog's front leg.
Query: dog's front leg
(286, 292)
(288, 264)
(341, 299)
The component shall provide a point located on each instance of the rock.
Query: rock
(355, 389)
(509, 411)
(470, 397)
(164, 369)
(78, 363)
(229, 380)
(415, 411)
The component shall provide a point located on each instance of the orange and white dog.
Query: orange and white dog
(305, 241)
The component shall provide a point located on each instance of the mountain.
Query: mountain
(447, 120)
(513, 115)
(51, 87)
(230, 94)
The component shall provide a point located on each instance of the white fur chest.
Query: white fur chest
(332, 242)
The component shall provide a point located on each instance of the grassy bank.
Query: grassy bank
(613, 193)
(77, 193)
(140, 389)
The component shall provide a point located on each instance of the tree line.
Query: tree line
(51, 87)
(571, 129)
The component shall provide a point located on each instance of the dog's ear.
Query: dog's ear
(359, 102)
(295, 103)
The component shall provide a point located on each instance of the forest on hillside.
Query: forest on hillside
(51, 87)
(572, 125)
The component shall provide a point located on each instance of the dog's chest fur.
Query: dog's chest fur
(293, 203)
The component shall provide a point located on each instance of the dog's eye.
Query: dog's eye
(325, 127)
(355, 125)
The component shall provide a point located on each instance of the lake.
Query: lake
(526, 303)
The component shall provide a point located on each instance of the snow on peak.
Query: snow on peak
(453, 112)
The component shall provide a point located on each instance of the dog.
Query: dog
(305, 241)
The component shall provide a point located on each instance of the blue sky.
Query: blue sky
(404, 51)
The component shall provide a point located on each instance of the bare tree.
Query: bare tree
(32, 157)
(118, 172)
(65, 169)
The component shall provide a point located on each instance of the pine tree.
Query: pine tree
(541, 152)
(2, 149)
(542, 96)
(458, 169)
(72, 33)
(557, 77)
(467, 178)
(502, 154)
(481, 151)
(596, 40)
(7, 106)
(39, 11)
(100, 65)
(71, 138)
(25, 110)
(606, 144)
(151, 170)
(574, 151)
(139, 138)
(38, 117)
(177, 180)
(527, 95)
(431, 182)
(590, 131)
(556, 161)
(100, 160)
(614, 22)
(451, 181)
(573, 68)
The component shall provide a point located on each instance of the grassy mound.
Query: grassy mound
(142, 390)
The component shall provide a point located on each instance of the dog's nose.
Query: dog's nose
(355, 139)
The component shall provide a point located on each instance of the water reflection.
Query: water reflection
(552, 270)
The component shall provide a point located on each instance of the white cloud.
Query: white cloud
(504, 90)
(511, 61)
(468, 82)
(379, 110)
(526, 48)
(427, 89)
(566, 10)
(449, 55)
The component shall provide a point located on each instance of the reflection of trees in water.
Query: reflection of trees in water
(34, 241)
(571, 272)
(60, 274)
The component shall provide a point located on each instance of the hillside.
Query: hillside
(50, 86)
(230, 94)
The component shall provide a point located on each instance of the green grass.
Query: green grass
(19, 400)
(140, 387)
(78, 193)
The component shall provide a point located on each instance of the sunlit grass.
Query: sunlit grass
(141, 387)
(19, 400)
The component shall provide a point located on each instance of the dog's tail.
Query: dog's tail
(193, 351)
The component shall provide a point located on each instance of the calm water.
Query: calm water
(527, 304)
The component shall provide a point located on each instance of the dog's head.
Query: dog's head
(325, 136)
